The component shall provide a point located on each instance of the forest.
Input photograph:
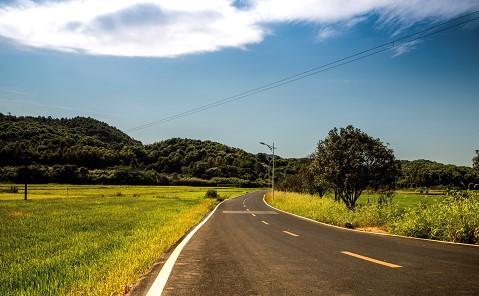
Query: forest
(87, 151)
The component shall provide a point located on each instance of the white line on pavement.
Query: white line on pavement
(383, 263)
(290, 233)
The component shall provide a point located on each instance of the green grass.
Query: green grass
(96, 241)
(404, 199)
(410, 214)
(54, 191)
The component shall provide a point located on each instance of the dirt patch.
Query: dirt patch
(372, 229)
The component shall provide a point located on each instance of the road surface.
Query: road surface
(247, 248)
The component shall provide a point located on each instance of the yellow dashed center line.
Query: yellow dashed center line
(290, 233)
(383, 263)
(264, 222)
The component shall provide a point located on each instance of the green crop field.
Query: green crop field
(95, 240)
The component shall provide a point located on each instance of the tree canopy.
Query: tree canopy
(426, 173)
(350, 161)
(475, 161)
(85, 150)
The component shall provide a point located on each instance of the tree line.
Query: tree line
(86, 151)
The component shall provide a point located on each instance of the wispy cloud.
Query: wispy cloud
(326, 33)
(12, 91)
(404, 47)
(170, 28)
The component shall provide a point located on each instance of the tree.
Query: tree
(311, 182)
(475, 161)
(350, 161)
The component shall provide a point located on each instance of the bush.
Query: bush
(12, 189)
(211, 193)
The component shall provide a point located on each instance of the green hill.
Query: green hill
(85, 150)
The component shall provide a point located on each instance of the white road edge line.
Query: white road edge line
(160, 282)
(367, 232)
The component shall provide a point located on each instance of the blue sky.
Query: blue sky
(131, 63)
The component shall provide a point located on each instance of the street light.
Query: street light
(271, 147)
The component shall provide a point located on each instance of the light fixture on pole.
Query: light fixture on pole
(271, 147)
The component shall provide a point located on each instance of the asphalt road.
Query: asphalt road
(272, 253)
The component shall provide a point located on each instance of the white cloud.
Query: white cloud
(12, 91)
(169, 28)
(130, 27)
(404, 47)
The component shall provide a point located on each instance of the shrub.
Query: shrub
(12, 189)
(211, 193)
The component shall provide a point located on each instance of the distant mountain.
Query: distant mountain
(85, 150)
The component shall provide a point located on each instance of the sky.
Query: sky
(131, 62)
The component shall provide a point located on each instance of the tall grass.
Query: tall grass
(450, 219)
(328, 211)
(455, 220)
(91, 245)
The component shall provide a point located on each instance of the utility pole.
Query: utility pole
(271, 148)
(26, 189)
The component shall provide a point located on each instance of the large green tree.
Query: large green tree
(350, 161)
(475, 162)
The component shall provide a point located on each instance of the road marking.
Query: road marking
(253, 215)
(251, 212)
(160, 281)
(371, 259)
(247, 209)
(290, 233)
(264, 222)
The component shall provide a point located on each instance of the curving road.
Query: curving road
(248, 248)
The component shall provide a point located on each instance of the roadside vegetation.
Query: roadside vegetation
(91, 240)
(352, 180)
(450, 218)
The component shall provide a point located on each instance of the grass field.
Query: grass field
(425, 216)
(404, 199)
(95, 240)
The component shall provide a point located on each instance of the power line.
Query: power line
(430, 31)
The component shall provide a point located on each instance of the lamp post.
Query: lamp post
(271, 147)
